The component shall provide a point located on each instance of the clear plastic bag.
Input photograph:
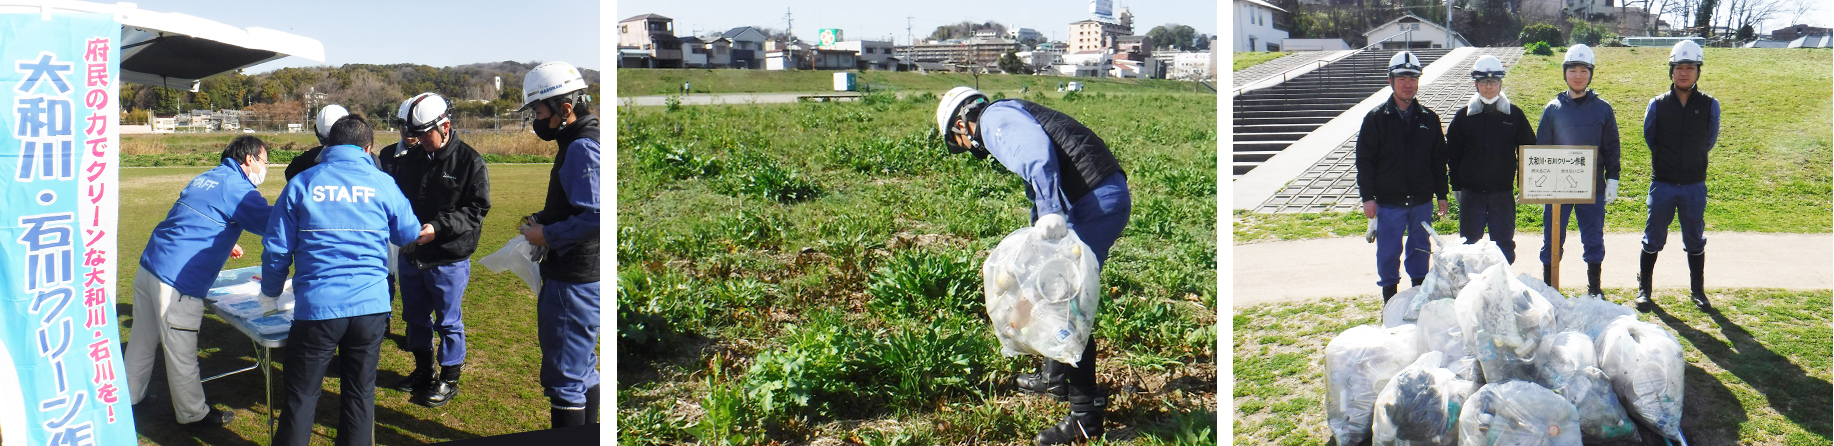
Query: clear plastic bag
(1394, 312)
(517, 256)
(1440, 331)
(1358, 364)
(1590, 315)
(1042, 295)
(1416, 407)
(1453, 266)
(1568, 366)
(1510, 321)
(1517, 413)
(1644, 363)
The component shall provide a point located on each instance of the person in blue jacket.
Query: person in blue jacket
(1074, 183)
(332, 226)
(181, 262)
(1578, 117)
(567, 309)
(1681, 126)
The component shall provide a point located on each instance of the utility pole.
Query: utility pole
(789, 24)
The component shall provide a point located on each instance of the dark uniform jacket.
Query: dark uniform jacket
(1401, 161)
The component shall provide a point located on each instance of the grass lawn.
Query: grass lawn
(648, 82)
(1245, 59)
(811, 272)
(1769, 172)
(499, 394)
(204, 149)
(1757, 371)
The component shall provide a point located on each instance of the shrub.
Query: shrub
(1542, 32)
(1540, 49)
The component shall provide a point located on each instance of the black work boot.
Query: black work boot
(1697, 264)
(1417, 281)
(417, 381)
(559, 418)
(592, 405)
(1051, 379)
(1084, 423)
(1547, 273)
(1592, 272)
(214, 418)
(1644, 290)
(1388, 292)
(445, 389)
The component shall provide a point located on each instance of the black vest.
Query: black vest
(1681, 138)
(1083, 159)
(581, 263)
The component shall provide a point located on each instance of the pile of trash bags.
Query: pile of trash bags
(1476, 356)
(1042, 294)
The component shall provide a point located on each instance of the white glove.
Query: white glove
(1610, 191)
(1053, 226)
(1371, 235)
(269, 304)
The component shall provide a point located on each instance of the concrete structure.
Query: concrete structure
(1024, 34)
(1098, 34)
(975, 52)
(872, 54)
(1085, 64)
(1314, 45)
(1188, 66)
(1420, 34)
(747, 47)
(1797, 31)
(698, 53)
(1039, 60)
(1148, 68)
(655, 35)
(1663, 42)
(1254, 26)
(1133, 47)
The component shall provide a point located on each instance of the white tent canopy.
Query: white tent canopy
(174, 50)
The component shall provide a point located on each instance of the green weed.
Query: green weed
(920, 283)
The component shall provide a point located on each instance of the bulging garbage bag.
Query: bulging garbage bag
(1510, 322)
(1358, 364)
(1042, 294)
(1517, 413)
(1439, 329)
(1454, 265)
(1590, 315)
(518, 256)
(1394, 312)
(1644, 363)
(1417, 408)
(1568, 366)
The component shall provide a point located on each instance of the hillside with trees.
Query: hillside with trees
(373, 90)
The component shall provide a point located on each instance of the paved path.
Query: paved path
(714, 99)
(1259, 72)
(1341, 267)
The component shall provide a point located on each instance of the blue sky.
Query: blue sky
(876, 20)
(429, 32)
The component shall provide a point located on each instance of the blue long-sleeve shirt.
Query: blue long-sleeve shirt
(333, 223)
(1587, 121)
(580, 181)
(188, 248)
(1014, 137)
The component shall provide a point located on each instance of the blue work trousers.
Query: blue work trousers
(1392, 223)
(1665, 200)
(568, 314)
(430, 302)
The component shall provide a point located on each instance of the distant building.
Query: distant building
(1412, 31)
(1314, 45)
(1098, 33)
(1254, 26)
(747, 47)
(872, 54)
(1133, 47)
(655, 36)
(1797, 31)
(1024, 34)
(699, 53)
(1092, 63)
(975, 52)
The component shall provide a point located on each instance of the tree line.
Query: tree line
(372, 90)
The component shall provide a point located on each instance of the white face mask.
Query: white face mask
(259, 176)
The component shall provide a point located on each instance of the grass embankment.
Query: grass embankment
(649, 82)
(1757, 371)
(1769, 172)
(203, 149)
(800, 272)
(500, 393)
(1251, 58)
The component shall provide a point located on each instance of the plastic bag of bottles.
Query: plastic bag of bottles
(1439, 329)
(1418, 406)
(1517, 413)
(1646, 369)
(1394, 312)
(1358, 365)
(1590, 315)
(1042, 294)
(1568, 366)
(1509, 323)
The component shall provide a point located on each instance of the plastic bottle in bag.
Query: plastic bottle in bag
(1644, 363)
(1510, 322)
(1590, 315)
(1394, 312)
(1416, 407)
(1440, 330)
(1358, 364)
(1517, 413)
(1568, 366)
(1042, 295)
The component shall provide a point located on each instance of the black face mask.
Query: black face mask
(543, 131)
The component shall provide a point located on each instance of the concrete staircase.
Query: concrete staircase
(1269, 120)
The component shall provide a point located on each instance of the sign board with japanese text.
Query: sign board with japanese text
(64, 376)
(1557, 174)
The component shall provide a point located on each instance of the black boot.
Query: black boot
(1547, 273)
(560, 418)
(1697, 264)
(417, 382)
(446, 388)
(1644, 289)
(1084, 423)
(592, 405)
(1592, 272)
(1388, 292)
(1051, 379)
(1418, 281)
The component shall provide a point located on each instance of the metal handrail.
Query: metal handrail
(1322, 62)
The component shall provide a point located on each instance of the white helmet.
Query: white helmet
(1686, 51)
(1579, 54)
(1487, 67)
(1404, 63)
(951, 103)
(423, 112)
(328, 116)
(549, 80)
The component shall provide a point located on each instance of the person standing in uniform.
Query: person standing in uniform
(446, 182)
(1075, 184)
(568, 226)
(181, 262)
(1401, 159)
(1483, 139)
(1578, 117)
(322, 127)
(332, 226)
(1681, 126)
